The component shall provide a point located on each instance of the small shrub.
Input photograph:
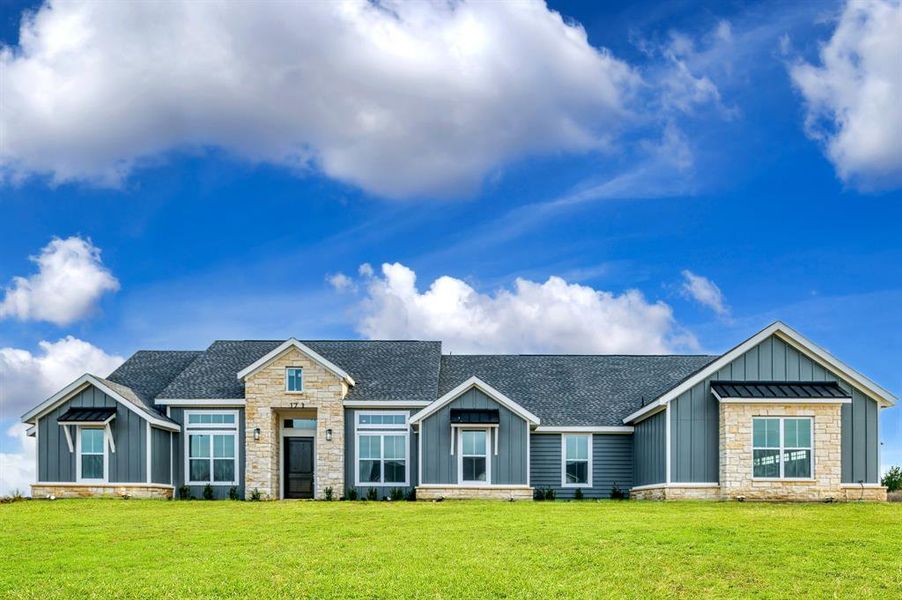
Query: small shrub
(233, 493)
(208, 492)
(617, 493)
(184, 492)
(578, 494)
(893, 479)
(255, 495)
(372, 494)
(352, 494)
(14, 496)
(396, 494)
(550, 494)
(328, 494)
(538, 494)
(412, 494)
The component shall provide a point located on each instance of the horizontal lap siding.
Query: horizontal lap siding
(508, 466)
(695, 415)
(351, 454)
(649, 448)
(612, 463)
(128, 464)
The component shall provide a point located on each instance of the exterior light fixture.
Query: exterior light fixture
(328, 435)
(256, 434)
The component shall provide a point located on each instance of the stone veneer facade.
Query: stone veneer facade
(736, 453)
(265, 396)
(92, 490)
(511, 492)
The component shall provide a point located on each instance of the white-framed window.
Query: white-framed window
(211, 454)
(92, 459)
(782, 447)
(576, 460)
(474, 467)
(381, 445)
(294, 379)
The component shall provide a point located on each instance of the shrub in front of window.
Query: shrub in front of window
(396, 494)
(233, 493)
(412, 494)
(372, 494)
(184, 492)
(328, 494)
(893, 479)
(617, 493)
(578, 494)
(352, 494)
(255, 495)
(208, 492)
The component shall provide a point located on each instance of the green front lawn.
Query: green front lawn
(151, 549)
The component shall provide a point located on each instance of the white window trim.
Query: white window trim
(782, 449)
(488, 457)
(381, 433)
(300, 391)
(564, 483)
(210, 429)
(106, 456)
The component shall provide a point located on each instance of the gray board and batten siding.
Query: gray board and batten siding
(508, 467)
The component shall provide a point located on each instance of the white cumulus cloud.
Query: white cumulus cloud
(16, 466)
(854, 97)
(70, 280)
(400, 98)
(554, 316)
(705, 292)
(26, 379)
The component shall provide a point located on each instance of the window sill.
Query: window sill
(383, 485)
(217, 484)
(295, 392)
(576, 485)
(789, 479)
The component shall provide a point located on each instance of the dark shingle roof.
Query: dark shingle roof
(382, 370)
(574, 390)
(147, 372)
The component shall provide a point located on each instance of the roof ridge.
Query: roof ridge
(594, 355)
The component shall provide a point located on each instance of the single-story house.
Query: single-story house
(775, 418)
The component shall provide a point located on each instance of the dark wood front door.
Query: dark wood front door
(298, 467)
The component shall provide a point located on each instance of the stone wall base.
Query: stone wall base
(854, 493)
(765, 492)
(94, 490)
(512, 492)
(675, 493)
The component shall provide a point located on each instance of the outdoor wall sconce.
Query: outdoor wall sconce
(256, 434)
(328, 435)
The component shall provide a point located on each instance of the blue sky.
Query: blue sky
(721, 143)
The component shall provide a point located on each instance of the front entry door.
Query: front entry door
(298, 467)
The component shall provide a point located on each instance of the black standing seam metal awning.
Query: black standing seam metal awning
(778, 389)
(87, 415)
(475, 416)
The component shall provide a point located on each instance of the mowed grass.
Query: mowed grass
(154, 549)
